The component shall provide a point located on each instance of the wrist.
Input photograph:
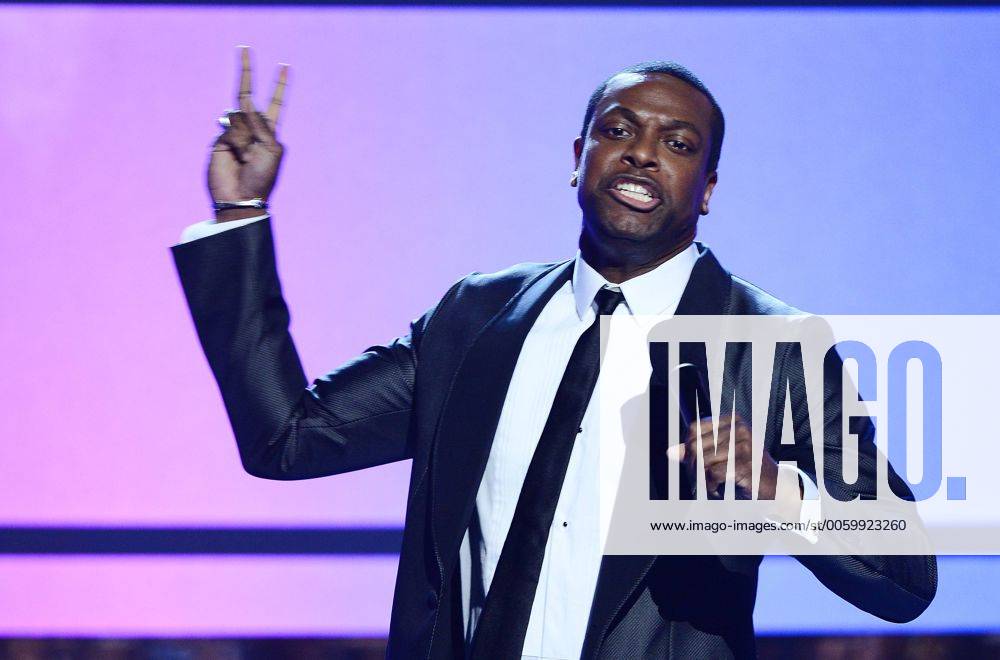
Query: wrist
(769, 473)
(230, 215)
(788, 496)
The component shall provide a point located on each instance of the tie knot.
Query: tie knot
(607, 300)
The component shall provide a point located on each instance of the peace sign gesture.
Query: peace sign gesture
(245, 158)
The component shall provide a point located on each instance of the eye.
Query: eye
(616, 131)
(679, 145)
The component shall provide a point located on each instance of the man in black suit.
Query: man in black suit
(490, 395)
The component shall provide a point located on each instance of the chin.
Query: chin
(629, 227)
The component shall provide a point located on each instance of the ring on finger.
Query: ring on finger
(223, 119)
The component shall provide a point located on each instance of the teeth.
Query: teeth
(634, 191)
(639, 197)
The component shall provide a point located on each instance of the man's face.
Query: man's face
(642, 168)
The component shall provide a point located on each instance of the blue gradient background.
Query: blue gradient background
(857, 176)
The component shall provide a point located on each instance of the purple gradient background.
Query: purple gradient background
(858, 176)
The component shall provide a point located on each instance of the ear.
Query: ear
(577, 152)
(713, 178)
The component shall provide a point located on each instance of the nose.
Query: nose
(641, 153)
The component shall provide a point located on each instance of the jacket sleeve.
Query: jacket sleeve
(355, 417)
(896, 588)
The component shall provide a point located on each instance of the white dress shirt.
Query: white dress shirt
(572, 559)
(210, 227)
(568, 577)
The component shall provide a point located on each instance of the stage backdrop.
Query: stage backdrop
(858, 176)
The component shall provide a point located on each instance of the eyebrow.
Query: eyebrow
(634, 118)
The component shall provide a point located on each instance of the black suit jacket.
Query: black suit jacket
(435, 396)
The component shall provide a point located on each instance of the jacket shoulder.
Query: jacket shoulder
(476, 298)
(501, 285)
(748, 298)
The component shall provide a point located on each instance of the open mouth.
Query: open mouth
(635, 194)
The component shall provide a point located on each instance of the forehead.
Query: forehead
(657, 95)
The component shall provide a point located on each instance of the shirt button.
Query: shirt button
(565, 524)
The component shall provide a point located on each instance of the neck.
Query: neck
(620, 263)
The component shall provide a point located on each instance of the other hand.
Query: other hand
(734, 437)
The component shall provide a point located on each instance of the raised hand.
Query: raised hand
(245, 158)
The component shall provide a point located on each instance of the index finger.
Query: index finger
(279, 94)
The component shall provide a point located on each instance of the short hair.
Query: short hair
(718, 122)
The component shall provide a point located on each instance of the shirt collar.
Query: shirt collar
(650, 293)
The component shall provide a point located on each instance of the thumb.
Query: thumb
(677, 452)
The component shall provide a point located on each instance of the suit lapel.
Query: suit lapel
(472, 411)
(706, 293)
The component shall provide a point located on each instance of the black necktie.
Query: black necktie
(504, 622)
